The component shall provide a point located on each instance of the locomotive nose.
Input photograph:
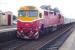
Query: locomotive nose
(27, 29)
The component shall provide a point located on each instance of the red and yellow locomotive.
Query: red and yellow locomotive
(31, 21)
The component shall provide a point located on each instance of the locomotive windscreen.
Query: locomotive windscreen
(29, 13)
(33, 13)
(22, 13)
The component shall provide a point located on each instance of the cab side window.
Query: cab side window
(50, 12)
(45, 13)
(40, 15)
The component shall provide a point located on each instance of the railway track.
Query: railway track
(34, 44)
(56, 44)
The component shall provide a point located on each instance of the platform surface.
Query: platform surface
(7, 33)
(7, 28)
(69, 44)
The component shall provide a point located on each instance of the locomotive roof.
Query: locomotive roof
(28, 8)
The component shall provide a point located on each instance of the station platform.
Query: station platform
(69, 44)
(7, 28)
(7, 33)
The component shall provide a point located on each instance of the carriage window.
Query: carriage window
(45, 13)
(50, 12)
(22, 13)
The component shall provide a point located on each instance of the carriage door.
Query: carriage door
(9, 19)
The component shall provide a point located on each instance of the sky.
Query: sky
(65, 6)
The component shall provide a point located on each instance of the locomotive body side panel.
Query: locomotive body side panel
(50, 19)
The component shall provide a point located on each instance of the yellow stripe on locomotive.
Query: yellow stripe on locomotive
(26, 18)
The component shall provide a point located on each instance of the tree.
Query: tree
(56, 10)
(46, 7)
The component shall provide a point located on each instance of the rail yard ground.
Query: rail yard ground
(47, 42)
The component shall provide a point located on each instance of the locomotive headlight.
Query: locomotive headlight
(31, 31)
(28, 25)
(21, 31)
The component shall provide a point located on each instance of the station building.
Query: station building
(6, 18)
